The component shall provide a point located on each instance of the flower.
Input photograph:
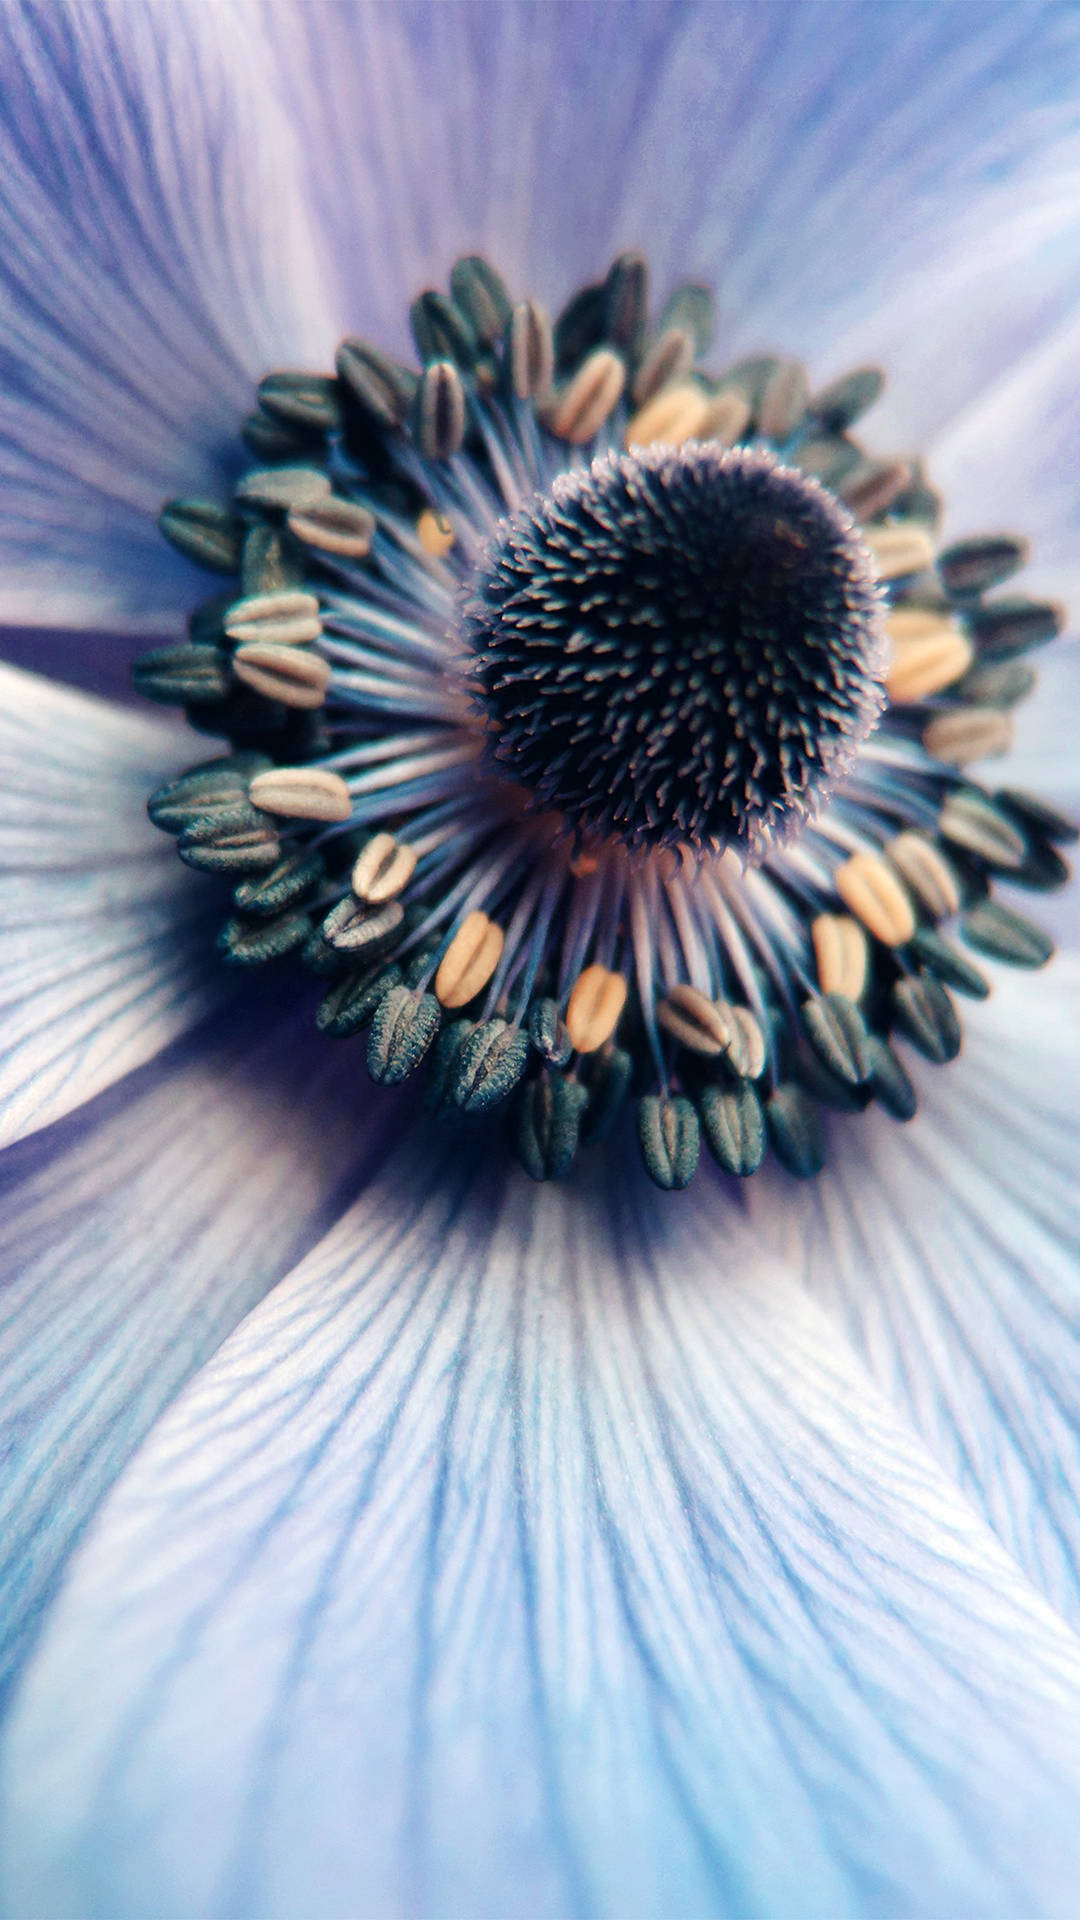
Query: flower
(383, 1532)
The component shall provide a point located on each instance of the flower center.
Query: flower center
(679, 646)
(596, 728)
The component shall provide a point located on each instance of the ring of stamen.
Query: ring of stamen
(712, 889)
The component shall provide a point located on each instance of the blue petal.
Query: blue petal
(949, 1252)
(154, 260)
(133, 1239)
(542, 1552)
(103, 938)
(857, 179)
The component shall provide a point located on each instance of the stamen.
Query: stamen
(594, 723)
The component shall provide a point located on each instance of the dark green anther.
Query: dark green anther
(421, 960)
(480, 294)
(362, 931)
(837, 1032)
(231, 840)
(283, 885)
(845, 400)
(626, 300)
(1005, 628)
(795, 1131)
(1001, 684)
(973, 566)
(734, 1127)
(199, 790)
(305, 400)
(182, 674)
(548, 1032)
(350, 1004)
(937, 955)
(828, 1088)
(271, 562)
(269, 438)
(692, 310)
(925, 1014)
(548, 1124)
(487, 1065)
(607, 1076)
(751, 376)
(441, 330)
(403, 1027)
(579, 327)
(382, 388)
(320, 958)
(670, 1140)
(1044, 870)
(1004, 935)
(1036, 816)
(205, 532)
(832, 461)
(250, 943)
(445, 1057)
(892, 1087)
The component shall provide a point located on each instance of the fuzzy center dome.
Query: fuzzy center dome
(679, 646)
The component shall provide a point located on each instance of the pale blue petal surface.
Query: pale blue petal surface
(103, 938)
(949, 1253)
(858, 177)
(132, 1240)
(154, 259)
(519, 1558)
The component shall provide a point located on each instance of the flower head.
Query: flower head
(385, 1531)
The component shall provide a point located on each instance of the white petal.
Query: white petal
(103, 938)
(948, 1251)
(154, 260)
(522, 1558)
(131, 1243)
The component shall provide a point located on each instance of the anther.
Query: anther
(926, 873)
(899, 550)
(929, 654)
(586, 401)
(595, 1005)
(695, 1022)
(967, 734)
(205, 532)
(290, 674)
(469, 960)
(340, 527)
(289, 618)
(302, 793)
(283, 487)
(669, 358)
(841, 953)
(875, 896)
(669, 418)
(382, 870)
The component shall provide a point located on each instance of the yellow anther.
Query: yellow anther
(929, 654)
(586, 401)
(435, 533)
(592, 1014)
(382, 870)
(899, 549)
(301, 793)
(673, 415)
(875, 896)
(469, 960)
(841, 953)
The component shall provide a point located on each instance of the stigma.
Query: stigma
(679, 646)
(596, 729)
